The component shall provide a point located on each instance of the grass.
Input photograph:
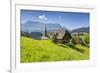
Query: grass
(45, 51)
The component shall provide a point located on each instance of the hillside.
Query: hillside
(83, 29)
(46, 51)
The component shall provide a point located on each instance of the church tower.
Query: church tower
(45, 32)
(44, 37)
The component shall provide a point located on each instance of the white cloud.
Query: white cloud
(42, 17)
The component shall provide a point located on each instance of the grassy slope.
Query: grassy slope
(44, 50)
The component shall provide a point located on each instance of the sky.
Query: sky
(69, 20)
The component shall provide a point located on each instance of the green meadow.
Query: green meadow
(46, 51)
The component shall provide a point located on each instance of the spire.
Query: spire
(44, 37)
(45, 31)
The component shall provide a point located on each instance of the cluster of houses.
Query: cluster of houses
(61, 34)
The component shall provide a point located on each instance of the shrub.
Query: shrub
(76, 40)
(82, 42)
(81, 39)
(87, 40)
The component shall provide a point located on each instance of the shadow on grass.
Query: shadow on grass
(61, 45)
(73, 47)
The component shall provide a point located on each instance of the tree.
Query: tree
(54, 39)
(67, 37)
(75, 40)
(25, 34)
(87, 40)
(83, 40)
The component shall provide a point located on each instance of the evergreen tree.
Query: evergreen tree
(54, 39)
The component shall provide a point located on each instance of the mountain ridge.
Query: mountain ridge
(82, 29)
(39, 26)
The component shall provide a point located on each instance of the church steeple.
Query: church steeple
(45, 33)
(45, 37)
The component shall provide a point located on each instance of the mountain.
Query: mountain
(33, 26)
(82, 29)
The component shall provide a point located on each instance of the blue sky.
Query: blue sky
(69, 20)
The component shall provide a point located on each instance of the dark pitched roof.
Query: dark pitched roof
(61, 33)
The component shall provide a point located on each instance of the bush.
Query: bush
(87, 40)
(70, 43)
(83, 40)
(76, 40)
